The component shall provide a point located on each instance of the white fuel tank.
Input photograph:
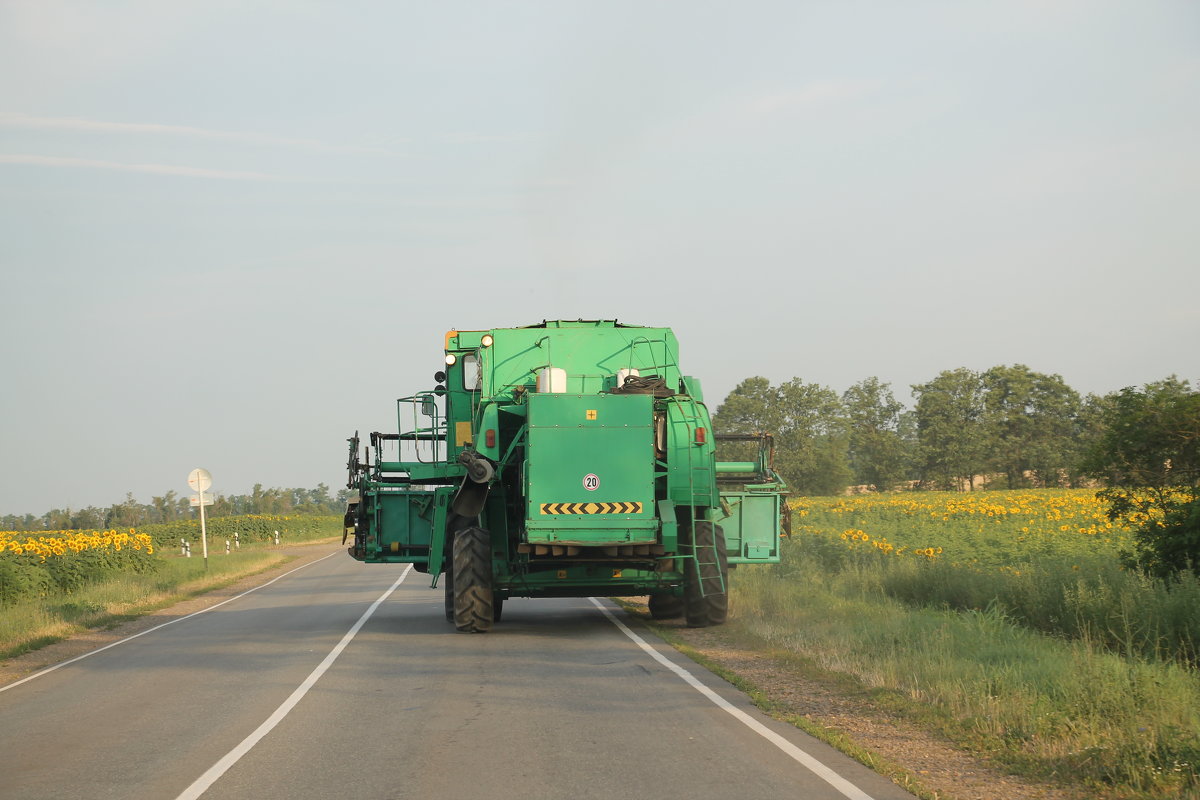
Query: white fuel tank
(552, 380)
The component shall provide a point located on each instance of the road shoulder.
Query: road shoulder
(915, 758)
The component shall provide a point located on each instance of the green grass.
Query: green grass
(1045, 559)
(1044, 706)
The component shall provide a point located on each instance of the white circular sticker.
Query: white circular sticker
(591, 482)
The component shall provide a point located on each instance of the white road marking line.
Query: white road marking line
(816, 767)
(28, 678)
(201, 784)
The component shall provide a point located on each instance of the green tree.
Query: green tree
(57, 519)
(128, 514)
(1151, 439)
(878, 453)
(1167, 541)
(320, 497)
(89, 518)
(1030, 419)
(257, 501)
(950, 427)
(1089, 431)
(809, 428)
(165, 506)
(1151, 436)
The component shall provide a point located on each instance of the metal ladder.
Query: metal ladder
(704, 472)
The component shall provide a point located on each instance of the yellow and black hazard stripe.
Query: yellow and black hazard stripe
(591, 508)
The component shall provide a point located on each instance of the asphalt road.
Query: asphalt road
(274, 695)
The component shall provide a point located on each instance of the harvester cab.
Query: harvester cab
(564, 459)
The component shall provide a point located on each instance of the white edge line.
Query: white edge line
(28, 678)
(810, 762)
(213, 773)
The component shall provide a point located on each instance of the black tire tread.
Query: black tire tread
(665, 606)
(474, 610)
(705, 588)
(454, 523)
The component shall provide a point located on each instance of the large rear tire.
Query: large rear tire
(706, 577)
(665, 606)
(474, 609)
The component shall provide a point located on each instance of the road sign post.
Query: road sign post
(200, 480)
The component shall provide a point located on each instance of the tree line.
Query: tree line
(1007, 427)
(171, 506)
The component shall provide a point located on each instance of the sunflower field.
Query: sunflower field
(985, 529)
(1048, 559)
(46, 562)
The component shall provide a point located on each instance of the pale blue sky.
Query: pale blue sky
(231, 233)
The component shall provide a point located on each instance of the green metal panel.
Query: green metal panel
(589, 473)
(690, 477)
(591, 352)
(401, 522)
(582, 580)
(752, 526)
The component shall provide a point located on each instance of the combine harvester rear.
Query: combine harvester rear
(566, 459)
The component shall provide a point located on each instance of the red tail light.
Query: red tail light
(701, 436)
(489, 437)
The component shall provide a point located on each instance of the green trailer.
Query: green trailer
(564, 459)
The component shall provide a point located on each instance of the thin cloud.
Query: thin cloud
(483, 138)
(12, 119)
(154, 169)
(813, 94)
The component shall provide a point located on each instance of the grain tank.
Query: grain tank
(564, 459)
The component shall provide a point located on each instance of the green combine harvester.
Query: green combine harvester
(566, 459)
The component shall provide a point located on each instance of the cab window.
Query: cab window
(470, 372)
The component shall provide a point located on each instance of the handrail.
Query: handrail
(435, 433)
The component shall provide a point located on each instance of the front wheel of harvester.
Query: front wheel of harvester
(448, 585)
(665, 606)
(474, 610)
(454, 523)
(705, 588)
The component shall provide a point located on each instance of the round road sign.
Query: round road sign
(199, 480)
